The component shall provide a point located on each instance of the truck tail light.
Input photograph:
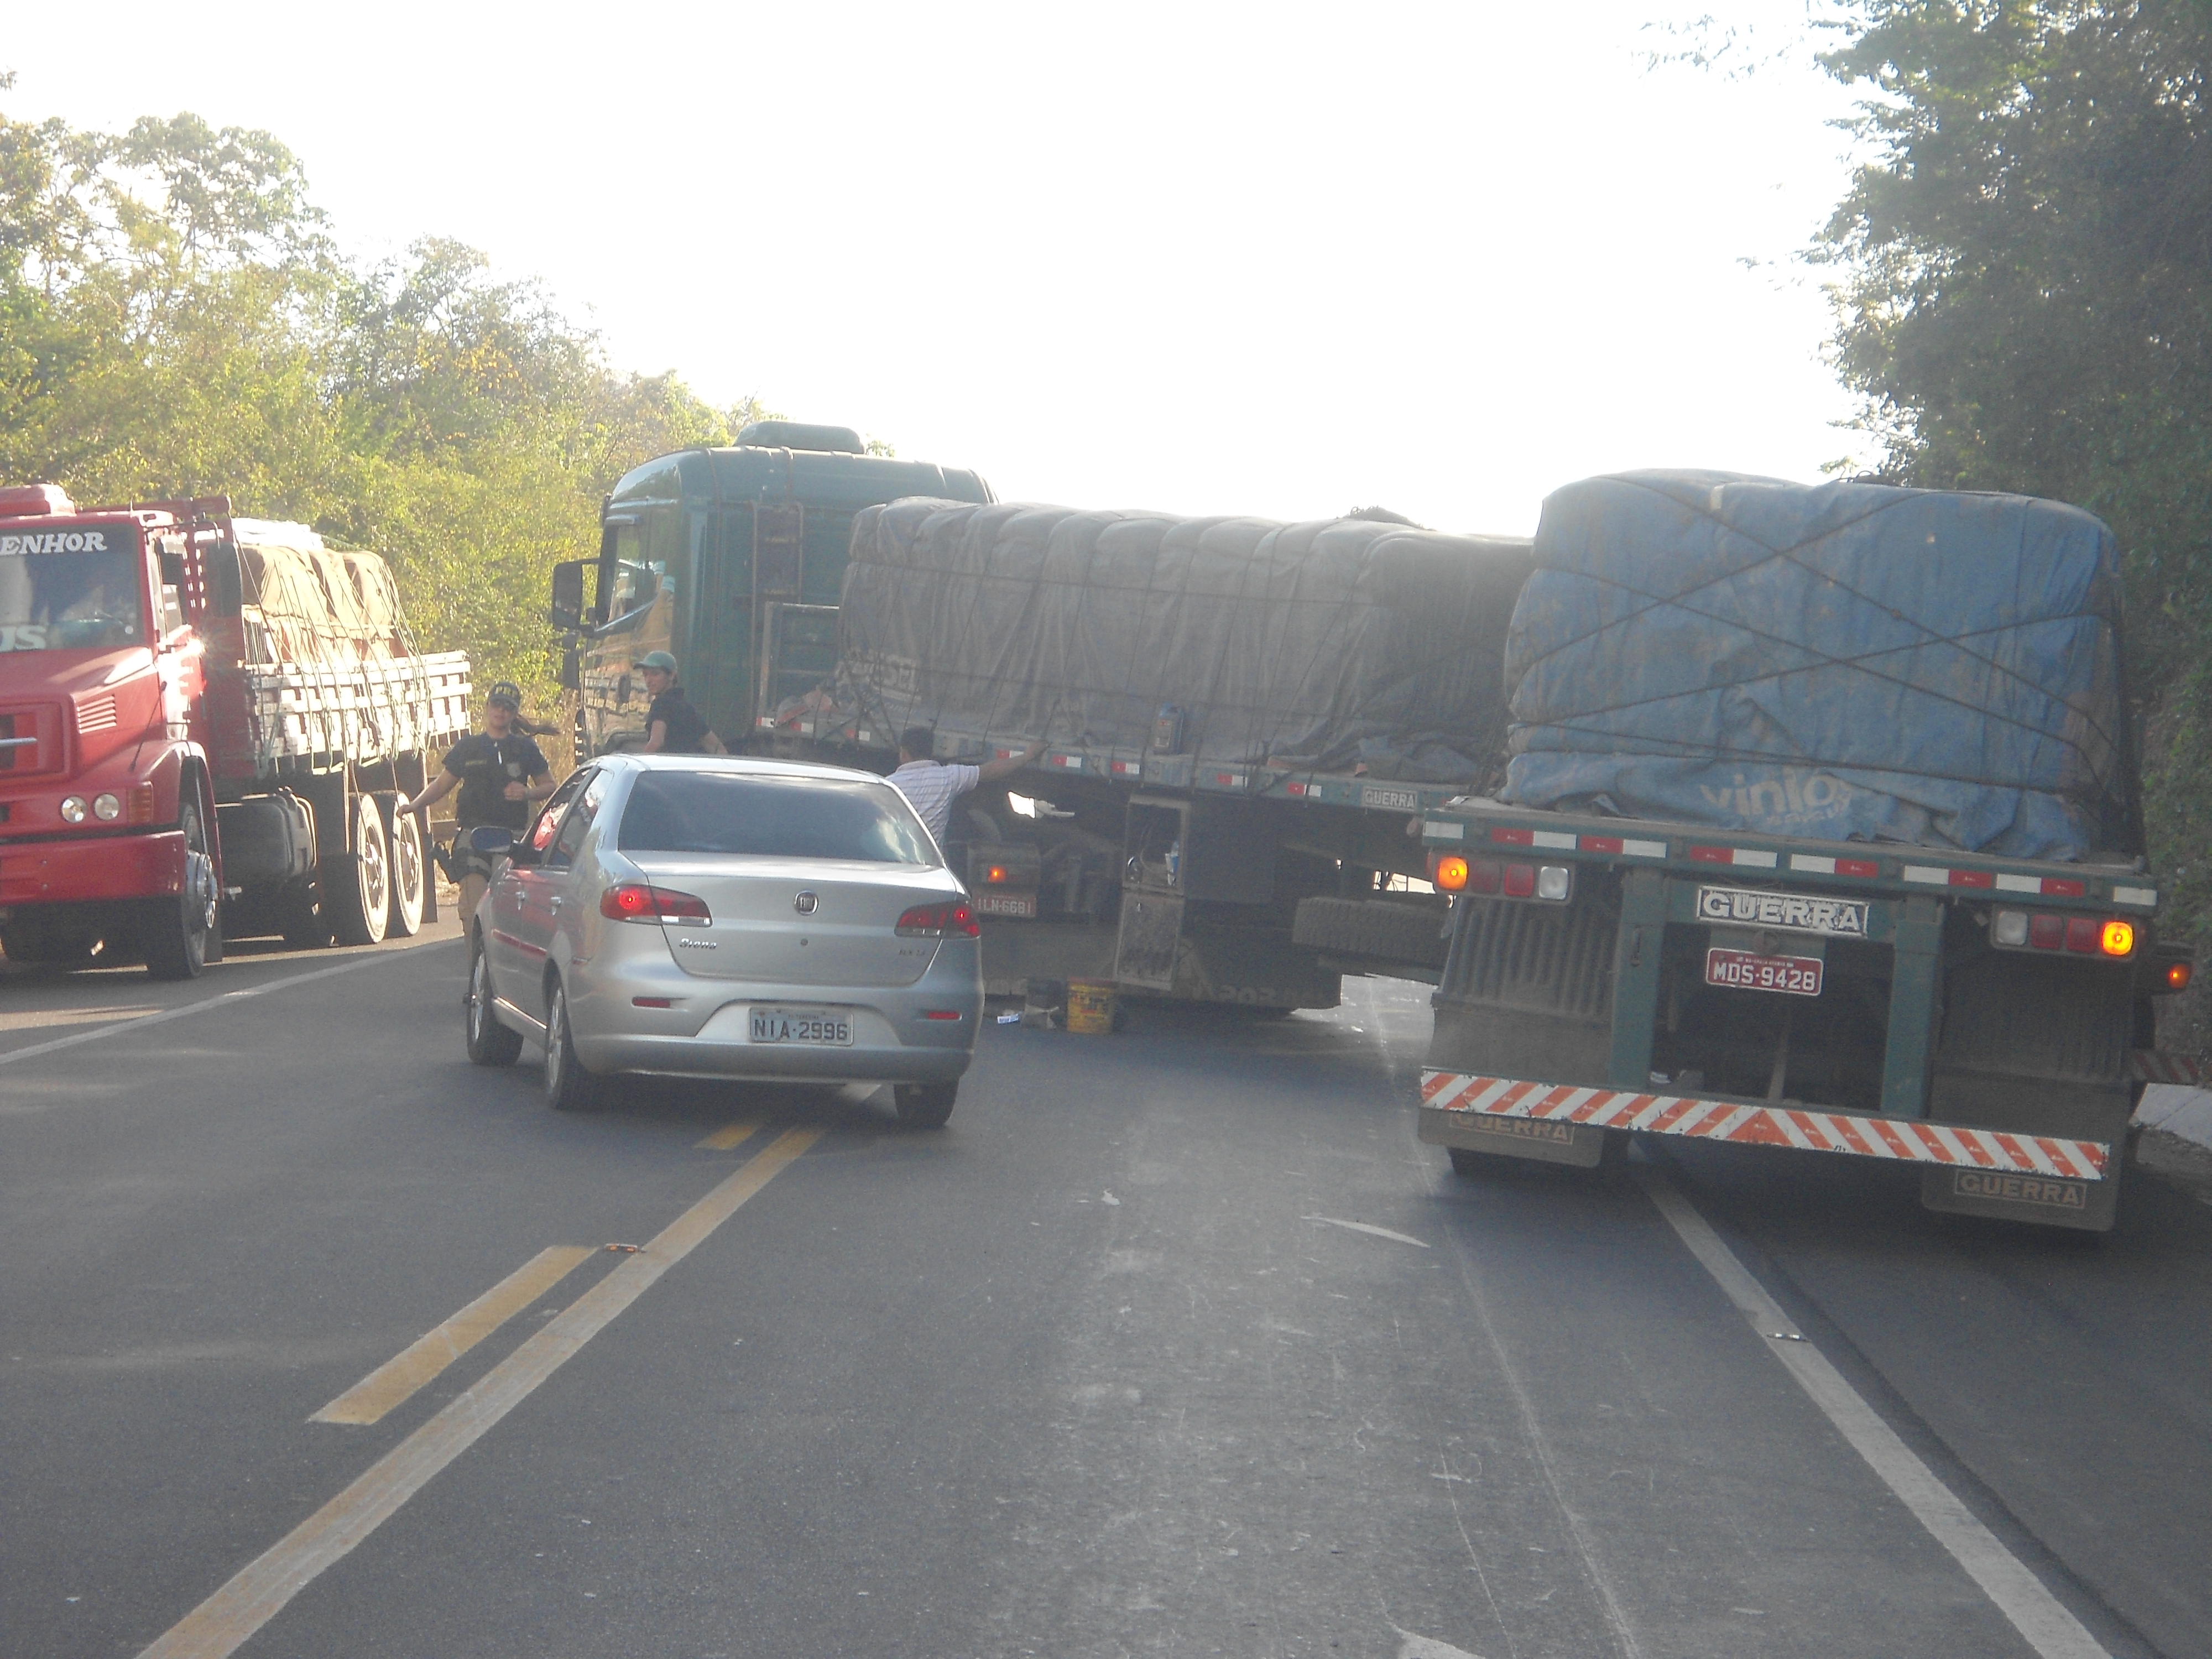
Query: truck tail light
(2178, 975)
(938, 921)
(2087, 936)
(1554, 882)
(1520, 881)
(638, 901)
(1448, 872)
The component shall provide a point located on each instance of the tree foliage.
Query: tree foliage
(2024, 299)
(175, 320)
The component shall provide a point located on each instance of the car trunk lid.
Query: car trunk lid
(798, 921)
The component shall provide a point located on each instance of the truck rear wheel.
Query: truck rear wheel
(357, 885)
(173, 932)
(402, 836)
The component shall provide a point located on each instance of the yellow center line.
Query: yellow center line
(729, 1135)
(39, 1019)
(258, 1591)
(398, 1377)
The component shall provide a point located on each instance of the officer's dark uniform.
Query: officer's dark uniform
(486, 765)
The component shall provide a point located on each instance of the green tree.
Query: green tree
(2023, 286)
(174, 320)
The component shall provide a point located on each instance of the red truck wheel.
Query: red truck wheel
(357, 886)
(410, 866)
(174, 931)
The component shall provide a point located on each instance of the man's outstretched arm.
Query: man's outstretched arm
(1007, 765)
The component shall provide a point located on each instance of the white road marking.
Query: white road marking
(1410, 1646)
(2037, 1614)
(258, 1591)
(1363, 1227)
(368, 959)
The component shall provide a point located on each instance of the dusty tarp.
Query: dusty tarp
(1848, 662)
(313, 604)
(1330, 645)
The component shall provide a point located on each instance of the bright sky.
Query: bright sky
(1270, 259)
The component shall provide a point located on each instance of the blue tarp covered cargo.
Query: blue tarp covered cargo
(1848, 662)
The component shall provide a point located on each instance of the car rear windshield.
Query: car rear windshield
(772, 817)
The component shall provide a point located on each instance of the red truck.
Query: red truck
(204, 721)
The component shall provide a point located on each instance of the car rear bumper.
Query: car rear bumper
(707, 1029)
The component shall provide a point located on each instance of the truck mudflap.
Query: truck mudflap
(1991, 1172)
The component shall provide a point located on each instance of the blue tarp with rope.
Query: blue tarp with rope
(1848, 661)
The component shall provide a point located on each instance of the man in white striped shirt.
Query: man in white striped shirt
(930, 786)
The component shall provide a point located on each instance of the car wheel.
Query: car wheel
(569, 1086)
(490, 1044)
(174, 933)
(924, 1105)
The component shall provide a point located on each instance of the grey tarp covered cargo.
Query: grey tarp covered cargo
(1323, 646)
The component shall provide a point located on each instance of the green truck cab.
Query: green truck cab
(731, 559)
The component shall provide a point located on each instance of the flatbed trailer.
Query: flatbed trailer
(1987, 1020)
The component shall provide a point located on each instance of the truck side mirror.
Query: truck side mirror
(568, 608)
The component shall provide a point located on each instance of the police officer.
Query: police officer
(500, 773)
(673, 725)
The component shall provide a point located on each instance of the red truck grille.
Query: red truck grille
(30, 741)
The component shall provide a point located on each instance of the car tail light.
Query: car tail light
(2117, 939)
(996, 872)
(937, 920)
(638, 901)
(1520, 881)
(941, 1014)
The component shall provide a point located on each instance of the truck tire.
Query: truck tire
(1386, 930)
(173, 932)
(569, 1086)
(300, 920)
(357, 884)
(411, 872)
(924, 1105)
(490, 1043)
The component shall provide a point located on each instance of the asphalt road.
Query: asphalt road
(1173, 1342)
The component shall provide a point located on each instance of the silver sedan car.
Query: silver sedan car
(719, 916)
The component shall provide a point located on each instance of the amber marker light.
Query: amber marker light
(2118, 939)
(2178, 975)
(1451, 873)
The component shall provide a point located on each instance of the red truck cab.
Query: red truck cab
(106, 802)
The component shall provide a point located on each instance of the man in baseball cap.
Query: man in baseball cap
(673, 725)
(502, 773)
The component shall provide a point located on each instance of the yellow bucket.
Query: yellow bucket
(1090, 1006)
